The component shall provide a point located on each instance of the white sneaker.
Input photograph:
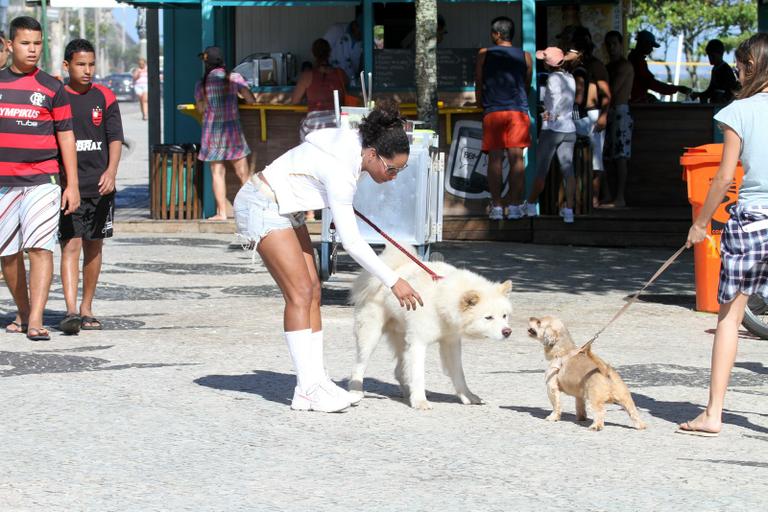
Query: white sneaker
(496, 213)
(515, 211)
(352, 398)
(529, 210)
(568, 215)
(320, 397)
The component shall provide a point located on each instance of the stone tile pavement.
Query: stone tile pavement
(181, 403)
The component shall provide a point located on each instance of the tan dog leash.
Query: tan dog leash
(664, 266)
(634, 297)
(559, 362)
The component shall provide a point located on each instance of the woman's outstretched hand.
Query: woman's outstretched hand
(407, 296)
(695, 235)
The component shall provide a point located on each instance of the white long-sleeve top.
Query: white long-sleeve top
(557, 97)
(323, 172)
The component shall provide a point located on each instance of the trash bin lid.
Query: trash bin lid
(701, 157)
(708, 149)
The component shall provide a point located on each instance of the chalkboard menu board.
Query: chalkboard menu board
(395, 69)
(456, 67)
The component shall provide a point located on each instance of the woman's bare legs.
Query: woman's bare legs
(219, 184)
(282, 253)
(723, 356)
(241, 170)
(302, 234)
(144, 102)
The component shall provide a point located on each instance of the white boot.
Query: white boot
(312, 393)
(320, 397)
(300, 348)
(322, 375)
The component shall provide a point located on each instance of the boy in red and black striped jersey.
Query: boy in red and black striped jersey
(99, 134)
(35, 135)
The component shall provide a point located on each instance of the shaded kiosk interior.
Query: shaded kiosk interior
(241, 28)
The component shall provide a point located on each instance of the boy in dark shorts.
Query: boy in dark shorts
(99, 134)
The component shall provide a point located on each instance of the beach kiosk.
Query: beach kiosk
(283, 31)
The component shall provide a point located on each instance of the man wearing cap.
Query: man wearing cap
(644, 79)
(346, 40)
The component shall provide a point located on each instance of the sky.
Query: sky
(127, 17)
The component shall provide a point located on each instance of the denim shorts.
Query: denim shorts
(257, 215)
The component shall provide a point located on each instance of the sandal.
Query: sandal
(35, 334)
(686, 428)
(16, 328)
(93, 324)
(70, 324)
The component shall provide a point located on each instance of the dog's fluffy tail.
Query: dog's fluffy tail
(366, 285)
(602, 367)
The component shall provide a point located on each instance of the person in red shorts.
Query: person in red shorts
(502, 82)
(35, 136)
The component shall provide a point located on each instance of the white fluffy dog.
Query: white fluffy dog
(460, 305)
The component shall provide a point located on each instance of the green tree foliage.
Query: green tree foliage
(731, 21)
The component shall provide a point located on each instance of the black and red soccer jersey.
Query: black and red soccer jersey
(33, 107)
(97, 122)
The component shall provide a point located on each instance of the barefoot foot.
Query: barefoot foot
(703, 425)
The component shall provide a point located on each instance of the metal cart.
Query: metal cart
(409, 209)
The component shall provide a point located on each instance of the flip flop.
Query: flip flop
(35, 334)
(18, 328)
(95, 324)
(685, 428)
(70, 324)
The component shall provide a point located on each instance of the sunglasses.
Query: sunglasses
(391, 170)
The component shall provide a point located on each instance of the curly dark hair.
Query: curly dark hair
(384, 130)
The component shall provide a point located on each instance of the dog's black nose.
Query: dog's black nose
(532, 331)
(506, 332)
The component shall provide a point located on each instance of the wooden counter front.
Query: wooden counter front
(661, 134)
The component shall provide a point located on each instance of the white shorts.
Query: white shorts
(257, 214)
(140, 89)
(29, 218)
(585, 127)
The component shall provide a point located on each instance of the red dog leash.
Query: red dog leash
(389, 239)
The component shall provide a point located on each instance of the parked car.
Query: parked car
(121, 84)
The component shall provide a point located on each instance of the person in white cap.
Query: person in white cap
(644, 79)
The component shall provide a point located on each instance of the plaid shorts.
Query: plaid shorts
(744, 253)
(316, 120)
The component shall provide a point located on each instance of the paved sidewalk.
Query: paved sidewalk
(181, 404)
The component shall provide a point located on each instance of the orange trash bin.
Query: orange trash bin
(700, 165)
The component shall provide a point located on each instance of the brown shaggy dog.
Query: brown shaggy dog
(580, 374)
